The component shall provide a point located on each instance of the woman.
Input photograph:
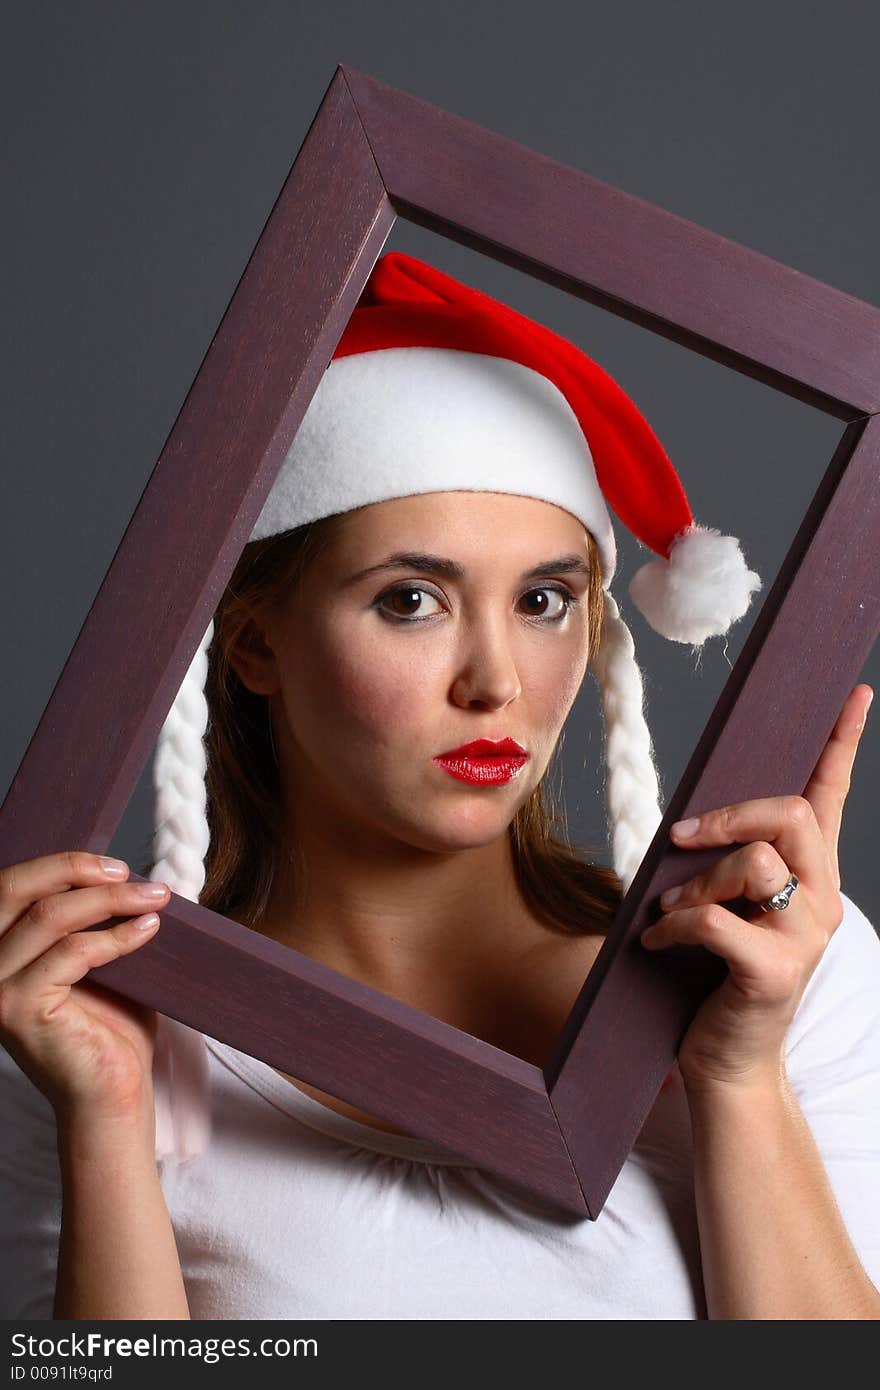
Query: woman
(416, 583)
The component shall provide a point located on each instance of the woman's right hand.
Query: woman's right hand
(89, 1050)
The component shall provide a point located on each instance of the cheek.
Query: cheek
(551, 684)
(352, 693)
(359, 688)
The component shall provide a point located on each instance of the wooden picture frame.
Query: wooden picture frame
(373, 153)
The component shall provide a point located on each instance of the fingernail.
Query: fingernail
(671, 896)
(114, 867)
(150, 890)
(684, 828)
(145, 923)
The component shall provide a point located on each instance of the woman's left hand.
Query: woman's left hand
(738, 1033)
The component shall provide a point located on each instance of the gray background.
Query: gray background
(144, 148)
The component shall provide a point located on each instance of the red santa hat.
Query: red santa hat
(435, 386)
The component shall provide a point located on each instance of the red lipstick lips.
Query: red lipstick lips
(485, 762)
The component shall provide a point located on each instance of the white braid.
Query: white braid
(181, 1082)
(632, 789)
(182, 838)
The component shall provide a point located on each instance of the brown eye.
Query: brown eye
(406, 602)
(547, 611)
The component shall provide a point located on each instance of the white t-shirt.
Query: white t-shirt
(296, 1211)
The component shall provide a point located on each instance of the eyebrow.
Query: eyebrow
(451, 569)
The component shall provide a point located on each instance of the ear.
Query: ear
(253, 660)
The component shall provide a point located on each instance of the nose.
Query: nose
(487, 676)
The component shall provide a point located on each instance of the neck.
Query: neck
(405, 920)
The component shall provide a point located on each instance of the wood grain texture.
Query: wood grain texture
(205, 493)
(339, 1034)
(371, 153)
(763, 738)
(679, 279)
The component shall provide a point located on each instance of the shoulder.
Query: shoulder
(839, 1011)
(833, 1064)
(556, 965)
(834, 1035)
(535, 991)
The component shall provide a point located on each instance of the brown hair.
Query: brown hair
(245, 811)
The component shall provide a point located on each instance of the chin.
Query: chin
(453, 833)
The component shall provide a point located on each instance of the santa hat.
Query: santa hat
(435, 386)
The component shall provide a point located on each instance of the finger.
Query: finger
(756, 872)
(56, 916)
(21, 885)
(37, 992)
(829, 784)
(760, 962)
(786, 822)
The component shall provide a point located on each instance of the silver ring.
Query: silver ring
(779, 902)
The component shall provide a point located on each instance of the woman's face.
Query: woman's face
(372, 675)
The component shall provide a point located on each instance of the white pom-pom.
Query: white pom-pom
(702, 588)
